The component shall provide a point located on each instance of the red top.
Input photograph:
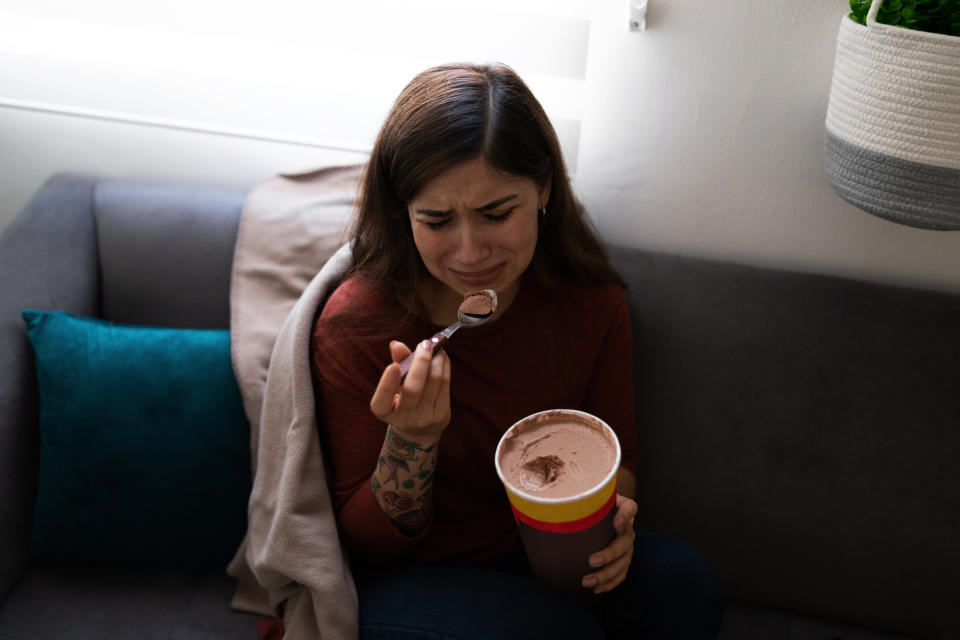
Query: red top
(566, 349)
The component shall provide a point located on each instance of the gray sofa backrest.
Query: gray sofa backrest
(803, 433)
(48, 260)
(165, 252)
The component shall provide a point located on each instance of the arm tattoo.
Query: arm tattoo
(402, 483)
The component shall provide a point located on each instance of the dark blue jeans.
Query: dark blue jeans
(669, 592)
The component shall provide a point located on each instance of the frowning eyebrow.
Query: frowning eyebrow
(433, 213)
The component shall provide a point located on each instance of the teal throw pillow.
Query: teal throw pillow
(144, 445)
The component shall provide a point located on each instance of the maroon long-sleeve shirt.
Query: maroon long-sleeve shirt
(550, 349)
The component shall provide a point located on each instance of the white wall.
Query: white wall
(704, 135)
(35, 145)
(319, 72)
(701, 135)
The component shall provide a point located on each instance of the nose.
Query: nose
(473, 247)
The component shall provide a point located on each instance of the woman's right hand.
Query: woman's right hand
(417, 406)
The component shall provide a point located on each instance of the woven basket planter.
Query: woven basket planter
(892, 143)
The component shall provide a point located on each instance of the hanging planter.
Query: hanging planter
(892, 142)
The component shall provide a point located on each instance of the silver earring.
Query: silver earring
(542, 211)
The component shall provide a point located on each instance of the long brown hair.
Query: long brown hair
(448, 115)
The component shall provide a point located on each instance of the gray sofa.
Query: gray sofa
(801, 431)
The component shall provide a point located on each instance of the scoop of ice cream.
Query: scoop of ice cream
(557, 455)
(478, 303)
(545, 469)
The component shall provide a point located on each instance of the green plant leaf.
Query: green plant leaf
(933, 16)
(888, 16)
(859, 9)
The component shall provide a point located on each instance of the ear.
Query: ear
(543, 196)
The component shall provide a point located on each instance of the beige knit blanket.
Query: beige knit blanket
(282, 271)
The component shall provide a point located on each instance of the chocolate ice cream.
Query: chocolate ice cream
(557, 456)
(479, 303)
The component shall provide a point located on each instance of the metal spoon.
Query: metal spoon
(463, 319)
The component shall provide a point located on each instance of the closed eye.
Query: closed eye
(437, 225)
(502, 217)
(496, 219)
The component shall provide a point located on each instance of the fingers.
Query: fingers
(432, 400)
(611, 574)
(614, 560)
(626, 513)
(398, 350)
(419, 400)
(619, 547)
(416, 380)
(384, 397)
(442, 404)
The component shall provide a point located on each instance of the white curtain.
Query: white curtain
(315, 73)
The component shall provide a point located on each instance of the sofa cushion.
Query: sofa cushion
(79, 601)
(144, 453)
(165, 252)
(742, 621)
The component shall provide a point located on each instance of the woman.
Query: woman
(466, 189)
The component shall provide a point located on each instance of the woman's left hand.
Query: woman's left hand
(614, 559)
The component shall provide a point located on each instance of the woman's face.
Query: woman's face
(476, 228)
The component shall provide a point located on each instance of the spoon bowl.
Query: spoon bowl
(477, 307)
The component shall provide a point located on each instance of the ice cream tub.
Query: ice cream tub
(559, 469)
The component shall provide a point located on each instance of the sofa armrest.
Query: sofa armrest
(48, 260)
